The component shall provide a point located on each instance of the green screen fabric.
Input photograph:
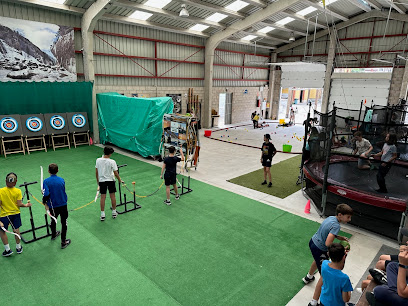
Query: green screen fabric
(134, 124)
(46, 97)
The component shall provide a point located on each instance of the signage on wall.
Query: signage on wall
(245, 91)
(176, 101)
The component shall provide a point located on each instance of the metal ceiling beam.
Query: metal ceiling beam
(257, 3)
(282, 27)
(298, 17)
(325, 9)
(398, 7)
(360, 5)
(374, 4)
(265, 35)
(345, 24)
(51, 6)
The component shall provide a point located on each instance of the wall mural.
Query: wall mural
(36, 51)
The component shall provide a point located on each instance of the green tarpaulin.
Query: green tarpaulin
(134, 124)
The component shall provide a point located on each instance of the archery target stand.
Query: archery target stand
(11, 133)
(57, 128)
(132, 203)
(33, 131)
(34, 228)
(79, 128)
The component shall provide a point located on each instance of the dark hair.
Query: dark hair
(358, 134)
(336, 252)
(392, 139)
(267, 136)
(11, 177)
(172, 149)
(53, 168)
(344, 209)
(108, 150)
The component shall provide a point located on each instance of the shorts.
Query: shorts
(393, 258)
(109, 185)
(266, 162)
(14, 219)
(318, 255)
(170, 179)
(362, 162)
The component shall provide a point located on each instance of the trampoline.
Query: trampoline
(377, 212)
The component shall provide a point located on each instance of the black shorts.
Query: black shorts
(103, 186)
(170, 179)
(15, 221)
(318, 255)
(266, 162)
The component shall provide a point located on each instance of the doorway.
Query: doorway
(225, 108)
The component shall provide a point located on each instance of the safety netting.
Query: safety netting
(135, 124)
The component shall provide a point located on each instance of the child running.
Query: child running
(268, 152)
(320, 242)
(10, 203)
(106, 171)
(170, 176)
(55, 200)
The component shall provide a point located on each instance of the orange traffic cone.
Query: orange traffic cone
(90, 141)
(307, 207)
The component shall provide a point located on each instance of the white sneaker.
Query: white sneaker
(178, 197)
(114, 214)
(359, 290)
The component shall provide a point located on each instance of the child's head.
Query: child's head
(53, 168)
(108, 151)
(172, 150)
(344, 213)
(267, 137)
(391, 139)
(358, 136)
(337, 252)
(11, 179)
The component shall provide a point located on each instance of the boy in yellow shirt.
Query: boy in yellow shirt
(10, 203)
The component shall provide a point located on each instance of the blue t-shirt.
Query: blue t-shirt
(329, 226)
(334, 283)
(54, 186)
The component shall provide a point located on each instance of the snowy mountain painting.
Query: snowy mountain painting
(35, 51)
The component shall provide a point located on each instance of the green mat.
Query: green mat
(284, 177)
(212, 247)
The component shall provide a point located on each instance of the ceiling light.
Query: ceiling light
(237, 5)
(140, 15)
(266, 29)
(285, 20)
(199, 27)
(292, 37)
(216, 17)
(184, 12)
(157, 3)
(328, 2)
(249, 37)
(56, 1)
(306, 11)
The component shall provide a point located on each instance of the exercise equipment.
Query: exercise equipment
(184, 189)
(11, 133)
(125, 202)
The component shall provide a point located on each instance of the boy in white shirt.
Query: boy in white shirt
(106, 171)
(363, 149)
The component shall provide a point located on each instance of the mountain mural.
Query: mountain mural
(33, 51)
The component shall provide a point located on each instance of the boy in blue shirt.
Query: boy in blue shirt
(320, 242)
(336, 289)
(55, 200)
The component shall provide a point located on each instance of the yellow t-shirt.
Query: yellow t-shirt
(9, 198)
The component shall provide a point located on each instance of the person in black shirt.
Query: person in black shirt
(170, 165)
(268, 152)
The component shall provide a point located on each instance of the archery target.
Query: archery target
(57, 122)
(78, 120)
(8, 125)
(34, 124)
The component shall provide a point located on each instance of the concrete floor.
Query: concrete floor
(221, 161)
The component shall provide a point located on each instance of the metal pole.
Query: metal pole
(359, 115)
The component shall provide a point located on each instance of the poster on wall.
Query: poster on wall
(176, 101)
(36, 51)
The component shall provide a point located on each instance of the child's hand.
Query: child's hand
(1, 224)
(403, 258)
(28, 204)
(342, 238)
(161, 177)
(97, 189)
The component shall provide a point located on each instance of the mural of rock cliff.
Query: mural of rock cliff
(35, 51)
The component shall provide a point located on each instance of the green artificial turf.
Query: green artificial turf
(212, 247)
(284, 177)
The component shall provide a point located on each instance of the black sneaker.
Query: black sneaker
(20, 250)
(270, 184)
(318, 304)
(102, 218)
(167, 202)
(379, 276)
(381, 191)
(7, 253)
(178, 197)
(264, 183)
(57, 233)
(307, 280)
(370, 298)
(66, 243)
